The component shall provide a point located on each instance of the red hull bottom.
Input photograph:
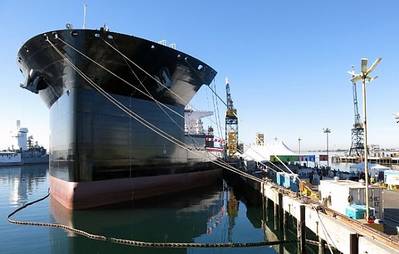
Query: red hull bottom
(83, 195)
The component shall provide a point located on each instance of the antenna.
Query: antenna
(84, 15)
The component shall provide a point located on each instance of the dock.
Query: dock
(354, 237)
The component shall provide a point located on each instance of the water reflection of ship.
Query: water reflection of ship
(258, 218)
(181, 218)
(22, 180)
(273, 232)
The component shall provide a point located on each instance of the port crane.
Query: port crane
(231, 126)
(357, 144)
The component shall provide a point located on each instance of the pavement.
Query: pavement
(391, 211)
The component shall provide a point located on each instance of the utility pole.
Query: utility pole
(299, 146)
(327, 131)
(365, 77)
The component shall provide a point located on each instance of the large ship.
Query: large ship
(27, 152)
(99, 154)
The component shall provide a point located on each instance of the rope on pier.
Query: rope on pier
(134, 243)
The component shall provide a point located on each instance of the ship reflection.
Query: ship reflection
(178, 218)
(272, 231)
(264, 219)
(22, 180)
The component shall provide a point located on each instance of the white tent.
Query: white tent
(263, 153)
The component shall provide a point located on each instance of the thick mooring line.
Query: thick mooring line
(134, 243)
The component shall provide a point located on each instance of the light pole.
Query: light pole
(365, 77)
(299, 146)
(327, 131)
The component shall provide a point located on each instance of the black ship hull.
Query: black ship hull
(94, 146)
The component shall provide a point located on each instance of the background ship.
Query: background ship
(98, 153)
(28, 152)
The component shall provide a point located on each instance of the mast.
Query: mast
(84, 15)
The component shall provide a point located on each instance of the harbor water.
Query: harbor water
(220, 213)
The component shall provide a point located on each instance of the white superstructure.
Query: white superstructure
(193, 124)
(22, 137)
(14, 157)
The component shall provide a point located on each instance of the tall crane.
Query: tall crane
(231, 126)
(357, 144)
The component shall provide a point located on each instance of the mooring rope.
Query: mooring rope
(128, 241)
(140, 119)
(135, 243)
(48, 224)
(150, 96)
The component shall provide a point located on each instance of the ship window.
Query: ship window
(200, 67)
(110, 37)
(152, 46)
(178, 56)
(97, 35)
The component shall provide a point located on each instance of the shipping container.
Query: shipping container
(356, 211)
(280, 177)
(340, 194)
(287, 180)
(294, 183)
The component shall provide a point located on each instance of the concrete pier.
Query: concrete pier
(333, 229)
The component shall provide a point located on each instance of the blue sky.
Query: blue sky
(286, 60)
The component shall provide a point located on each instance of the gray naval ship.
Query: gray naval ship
(28, 152)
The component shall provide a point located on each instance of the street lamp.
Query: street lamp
(299, 146)
(327, 131)
(365, 77)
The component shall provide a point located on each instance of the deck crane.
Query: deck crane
(231, 126)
